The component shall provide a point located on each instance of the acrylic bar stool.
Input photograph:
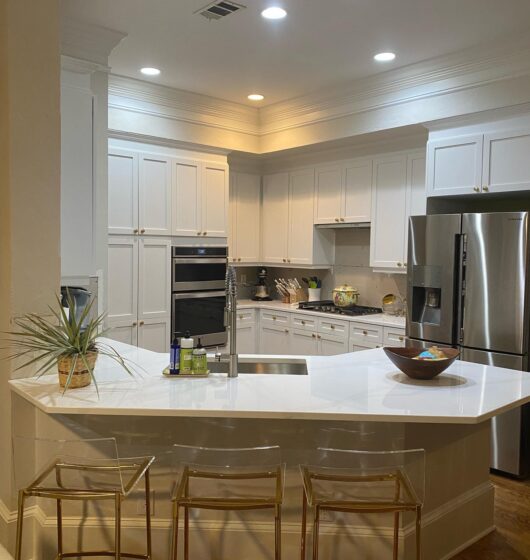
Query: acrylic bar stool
(364, 482)
(227, 479)
(79, 470)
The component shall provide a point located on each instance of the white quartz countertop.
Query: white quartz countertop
(377, 319)
(361, 386)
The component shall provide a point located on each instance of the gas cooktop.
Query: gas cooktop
(327, 306)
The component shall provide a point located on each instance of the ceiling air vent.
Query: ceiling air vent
(218, 10)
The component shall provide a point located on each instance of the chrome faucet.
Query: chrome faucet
(231, 319)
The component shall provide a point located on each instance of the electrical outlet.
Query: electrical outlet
(140, 505)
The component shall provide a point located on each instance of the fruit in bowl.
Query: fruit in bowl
(418, 363)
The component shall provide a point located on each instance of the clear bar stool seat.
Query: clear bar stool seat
(227, 479)
(78, 470)
(363, 482)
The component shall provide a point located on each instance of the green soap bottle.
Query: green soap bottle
(186, 354)
(200, 360)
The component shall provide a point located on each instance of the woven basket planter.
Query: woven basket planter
(81, 376)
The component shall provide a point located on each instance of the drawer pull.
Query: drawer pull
(365, 333)
(332, 327)
(274, 317)
(485, 188)
(135, 231)
(141, 323)
(286, 330)
(303, 322)
(342, 219)
(401, 339)
(142, 230)
(318, 336)
(399, 264)
(134, 324)
(336, 219)
(476, 189)
(313, 335)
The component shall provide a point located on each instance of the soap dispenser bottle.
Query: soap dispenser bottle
(200, 360)
(174, 356)
(186, 354)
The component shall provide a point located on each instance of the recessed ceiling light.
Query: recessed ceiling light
(384, 56)
(150, 71)
(274, 12)
(256, 97)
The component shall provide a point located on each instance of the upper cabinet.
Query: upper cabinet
(288, 232)
(245, 203)
(398, 193)
(343, 192)
(200, 199)
(494, 162)
(139, 193)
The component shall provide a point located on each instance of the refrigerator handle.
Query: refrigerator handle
(461, 259)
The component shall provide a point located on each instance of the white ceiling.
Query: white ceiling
(321, 43)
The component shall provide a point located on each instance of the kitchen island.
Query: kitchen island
(355, 401)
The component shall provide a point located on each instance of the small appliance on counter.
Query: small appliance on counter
(81, 298)
(393, 305)
(262, 290)
(345, 296)
(327, 306)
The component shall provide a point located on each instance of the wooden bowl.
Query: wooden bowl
(402, 358)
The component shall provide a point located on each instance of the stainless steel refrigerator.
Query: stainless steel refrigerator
(468, 287)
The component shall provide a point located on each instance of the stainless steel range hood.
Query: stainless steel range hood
(340, 225)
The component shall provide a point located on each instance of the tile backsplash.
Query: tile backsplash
(352, 266)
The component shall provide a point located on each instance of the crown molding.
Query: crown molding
(90, 43)
(162, 101)
(79, 66)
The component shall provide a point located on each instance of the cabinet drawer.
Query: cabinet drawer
(303, 322)
(358, 346)
(333, 326)
(246, 317)
(394, 336)
(274, 318)
(361, 333)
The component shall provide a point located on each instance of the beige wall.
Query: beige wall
(29, 179)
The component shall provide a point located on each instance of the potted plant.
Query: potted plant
(65, 341)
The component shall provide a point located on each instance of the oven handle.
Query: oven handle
(178, 260)
(195, 295)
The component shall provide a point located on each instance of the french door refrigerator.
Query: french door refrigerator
(468, 287)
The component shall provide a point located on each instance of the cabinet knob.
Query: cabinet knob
(400, 338)
(313, 335)
(332, 327)
(286, 330)
(142, 230)
(476, 189)
(303, 322)
(134, 324)
(199, 233)
(336, 219)
(485, 188)
(135, 231)
(365, 333)
(239, 259)
(141, 323)
(318, 336)
(399, 264)
(342, 219)
(274, 318)
(204, 232)
(284, 260)
(288, 260)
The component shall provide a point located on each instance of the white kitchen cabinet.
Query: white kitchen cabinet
(329, 345)
(389, 212)
(154, 195)
(186, 204)
(357, 347)
(394, 336)
(398, 193)
(245, 214)
(246, 339)
(343, 192)
(123, 191)
(214, 199)
(301, 228)
(275, 218)
(273, 339)
(139, 290)
(365, 334)
(303, 343)
(126, 333)
(454, 165)
(506, 161)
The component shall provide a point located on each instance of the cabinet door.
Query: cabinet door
(303, 343)
(416, 196)
(246, 339)
(389, 213)
(301, 199)
(357, 201)
(454, 165)
(122, 290)
(275, 218)
(186, 199)
(154, 192)
(123, 332)
(274, 340)
(246, 208)
(154, 335)
(329, 345)
(214, 202)
(123, 191)
(506, 162)
(328, 194)
(154, 278)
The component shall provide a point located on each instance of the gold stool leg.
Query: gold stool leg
(117, 537)
(396, 535)
(186, 532)
(59, 529)
(175, 529)
(316, 525)
(278, 533)
(304, 523)
(418, 533)
(148, 513)
(20, 523)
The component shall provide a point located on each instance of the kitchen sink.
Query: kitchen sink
(271, 365)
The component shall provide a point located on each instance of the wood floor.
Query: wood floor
(511, 540)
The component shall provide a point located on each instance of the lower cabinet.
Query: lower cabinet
(303, 343)
(329, 345)
(151, 334)
(274, 340)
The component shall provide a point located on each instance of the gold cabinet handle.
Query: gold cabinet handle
(303, 322)
(142, 230)
(284, 260)
(313, 335)
(204, 232)
(399, 264)
(332, 327)
(288, 260)
(318, 336)
(365, 333)
(135, 231)
(239, 259)
(342, 219)
(134, 324)
(199, 233)
(400, 338)
(141, 323)
(476, 189)
(286, 330)
(274, 318)
(336, 219)
(485, 188)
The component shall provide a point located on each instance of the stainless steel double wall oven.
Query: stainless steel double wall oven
(198, 296)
